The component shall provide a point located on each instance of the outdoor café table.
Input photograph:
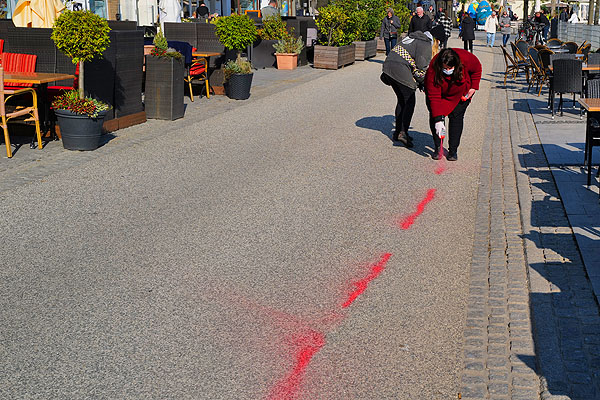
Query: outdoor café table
(41, 80)
(559, 50)
(593, 112)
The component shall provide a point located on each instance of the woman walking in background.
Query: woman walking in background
(404, 69)
(467, 31)
(389, 30)
(452, 78)
(490, 28)
(504, 22)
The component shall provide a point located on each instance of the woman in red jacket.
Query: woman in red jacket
(452, 78)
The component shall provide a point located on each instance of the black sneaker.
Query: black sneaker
(452, 156)
(436, 154)
(403, 138)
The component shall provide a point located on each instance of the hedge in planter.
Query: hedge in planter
(237, 32)
(164, 81)
(82, 36)
(336, 48)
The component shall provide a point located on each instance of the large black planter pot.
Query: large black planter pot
(164, 88)
(263, 54)
(238, 86)
(80, 132)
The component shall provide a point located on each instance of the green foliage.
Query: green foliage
(236, 32)
(403, 15)
(273, 28)
(239, 66)
(331, 23)
(375, 10)
(160, 41)
(289, 45)
(81, 35)
(87, 106)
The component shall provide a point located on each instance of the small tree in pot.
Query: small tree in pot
(237, 32)
(287, 50)
(82, 36)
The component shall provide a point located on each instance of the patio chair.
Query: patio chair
(571, 47)
(23, 109)
(593, 89)
(512, 66)
(561, 56)
(537, 73)
(196, 68)
(554, 42)
(585, 50)
(16, 62)
(567, 78)
(584, 43)
(523, 48)
(593, 59)
(592, 139)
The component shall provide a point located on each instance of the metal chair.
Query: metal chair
(523, 48)
(585, 50)
(554, 43)
(567, 78)
(571, 47)
(512, 66)
(537, 73)
(31, 110)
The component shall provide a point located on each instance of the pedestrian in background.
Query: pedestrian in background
(467, 31)
(389, 30)
(452, 78)
(419, 22)
(446, 23)
(491, 23)
(504, 22)
(404, 70)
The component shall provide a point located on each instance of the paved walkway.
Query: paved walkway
(546, 325)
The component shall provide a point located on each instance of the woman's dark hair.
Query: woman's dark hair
(450, 58)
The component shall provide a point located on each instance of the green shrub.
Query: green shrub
(236, 32)
(161, 47)
(289, 45)
(273, 28)
(82, 36)
(239, 66)
(331, 24)
(403, 15)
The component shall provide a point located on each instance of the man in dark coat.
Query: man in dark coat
(467, 32)
(419, 22)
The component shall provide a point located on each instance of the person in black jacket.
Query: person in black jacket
(467, 32)
(419, 22)
(202, 11)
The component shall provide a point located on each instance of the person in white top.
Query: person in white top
(490, 28)
(574, 19)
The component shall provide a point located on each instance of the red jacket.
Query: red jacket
(443, 99)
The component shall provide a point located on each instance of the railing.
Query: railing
(579, 32)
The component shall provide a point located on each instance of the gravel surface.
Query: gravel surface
(195, 266)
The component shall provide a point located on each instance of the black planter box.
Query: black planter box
(164, 88)
(263, 54)
(238, 86)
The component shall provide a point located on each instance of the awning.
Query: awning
(37, 13)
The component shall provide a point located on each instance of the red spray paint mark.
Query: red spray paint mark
(361, 285)
(441, 168)
(308, 345)
(408, 221)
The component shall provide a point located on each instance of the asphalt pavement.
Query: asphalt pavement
(215, 260)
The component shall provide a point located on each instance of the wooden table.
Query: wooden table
(206, 54)
(593, 116)
(40, 79)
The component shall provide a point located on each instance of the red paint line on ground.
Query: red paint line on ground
(408, 221)
(308, 345)
(361, 285)
(441, 168)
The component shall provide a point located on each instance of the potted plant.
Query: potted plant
(163, 96)
(237, 32)
(82, 36)
(287, 50)
(273, 29)
(336, 48)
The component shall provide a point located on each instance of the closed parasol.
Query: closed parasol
(37, 13)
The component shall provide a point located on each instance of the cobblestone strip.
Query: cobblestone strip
(564, 310)
(499, 352)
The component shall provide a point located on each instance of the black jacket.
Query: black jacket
(422, 24)
(467, 30)
(390, 26)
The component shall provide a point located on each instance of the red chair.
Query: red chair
(54, 91)
(15, 62)
(1, 46)
(197, 72)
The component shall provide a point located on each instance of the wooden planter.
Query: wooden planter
(329, 57)
(287, 60)
(365, 49)
(164, 88)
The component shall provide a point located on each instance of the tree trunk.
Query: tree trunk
(526, 9)
(591, 12)
(81, 79)
(596, 12)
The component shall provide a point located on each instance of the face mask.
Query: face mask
(448, 71)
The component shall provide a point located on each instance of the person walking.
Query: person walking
(504, 23)
(419, 22)
(467, 32)
(573, 19)
(404, 69)
(446, 23)
(430, 13)
(389, 30)
(452, 78)
(491, 23)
